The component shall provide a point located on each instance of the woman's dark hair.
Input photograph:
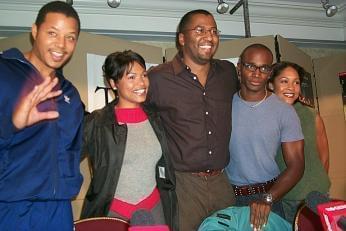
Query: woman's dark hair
(57, 7)
(117, 63)
(279, 67)
(184, 21)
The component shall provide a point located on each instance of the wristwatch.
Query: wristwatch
(267, 198)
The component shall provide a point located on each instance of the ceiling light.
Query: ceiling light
(222, 7)
(113, 3)
(330, 9)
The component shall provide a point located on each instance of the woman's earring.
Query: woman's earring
(270, 87)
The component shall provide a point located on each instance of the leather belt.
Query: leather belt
(208, 173)
(252, 189)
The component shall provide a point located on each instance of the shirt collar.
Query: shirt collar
(179, 66)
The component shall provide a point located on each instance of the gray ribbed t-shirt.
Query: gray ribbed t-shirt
(137, 176)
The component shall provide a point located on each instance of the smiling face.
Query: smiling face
(132, 87)
(286, 85)
(54, 42)
(197, 41)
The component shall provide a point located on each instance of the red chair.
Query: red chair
(101, 224)
(307, 220)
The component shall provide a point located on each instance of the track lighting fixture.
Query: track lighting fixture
(113, 3)
(236, 7)
(330, 9)
(245, 5)
(222, 7)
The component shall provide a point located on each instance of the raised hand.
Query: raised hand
(25, 113)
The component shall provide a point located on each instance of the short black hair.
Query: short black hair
(57, 7)
(280, 66)
(254, 46)
(185, 20)
(117, 63)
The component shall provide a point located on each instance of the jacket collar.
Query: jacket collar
(108, 112)
(14, 53)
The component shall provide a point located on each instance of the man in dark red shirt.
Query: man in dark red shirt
(193, 94)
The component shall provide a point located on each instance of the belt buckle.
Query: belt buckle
(205, 173)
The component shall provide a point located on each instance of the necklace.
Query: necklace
(255, 105)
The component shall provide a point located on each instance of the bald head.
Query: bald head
(257, 47)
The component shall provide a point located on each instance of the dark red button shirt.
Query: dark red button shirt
(197, 119)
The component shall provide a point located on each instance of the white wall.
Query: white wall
(157, 19)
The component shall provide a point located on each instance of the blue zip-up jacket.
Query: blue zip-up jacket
(40, 162)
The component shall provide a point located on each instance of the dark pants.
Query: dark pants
(198, 197)
(36, 215)
(245, 201)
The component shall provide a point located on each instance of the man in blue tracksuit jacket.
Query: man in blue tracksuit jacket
(40, 126)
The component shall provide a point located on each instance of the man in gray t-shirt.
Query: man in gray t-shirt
(260, 124)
